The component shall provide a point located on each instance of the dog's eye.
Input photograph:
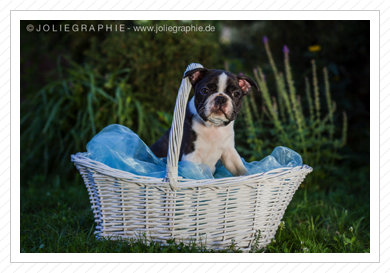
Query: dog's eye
(236, 94)
(204, 90)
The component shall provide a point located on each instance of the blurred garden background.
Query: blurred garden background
(314, 99)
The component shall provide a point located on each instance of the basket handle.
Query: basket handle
(176, 133)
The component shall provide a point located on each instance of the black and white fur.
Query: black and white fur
(208, 134)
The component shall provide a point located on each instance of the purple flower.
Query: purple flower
(241, 74)
(285, 49)
(265, 39)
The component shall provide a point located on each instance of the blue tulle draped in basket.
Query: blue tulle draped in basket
(120, 148)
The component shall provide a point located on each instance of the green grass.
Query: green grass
(56, 218)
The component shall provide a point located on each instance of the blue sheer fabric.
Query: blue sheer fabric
(120, 148)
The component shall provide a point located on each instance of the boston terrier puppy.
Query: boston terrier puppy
(208, 134)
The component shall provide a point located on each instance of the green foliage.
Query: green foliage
(316, 222)
(345, 54)
(64, 115)
(126, 78)
(157, 60)
(284, 123)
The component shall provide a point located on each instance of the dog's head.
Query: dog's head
(218, 94)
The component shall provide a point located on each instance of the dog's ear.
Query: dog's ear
(246, 84)
(195, 75)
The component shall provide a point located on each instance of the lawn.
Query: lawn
(56, 218)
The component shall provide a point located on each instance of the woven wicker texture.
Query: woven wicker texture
(212, 212)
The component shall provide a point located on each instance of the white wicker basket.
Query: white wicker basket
(212, 212)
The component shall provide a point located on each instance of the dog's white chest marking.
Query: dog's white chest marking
(211, 141)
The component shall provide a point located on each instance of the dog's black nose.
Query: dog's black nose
(220, 100)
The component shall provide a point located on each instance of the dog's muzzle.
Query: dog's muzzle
(219, 109)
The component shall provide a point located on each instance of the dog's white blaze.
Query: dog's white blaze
(222, 83)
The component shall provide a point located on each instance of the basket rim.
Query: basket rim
(124, 176)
